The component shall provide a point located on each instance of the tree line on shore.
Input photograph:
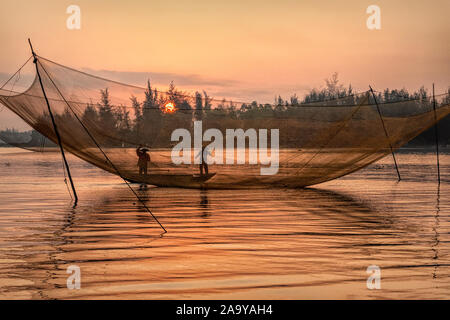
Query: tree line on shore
(149, 121)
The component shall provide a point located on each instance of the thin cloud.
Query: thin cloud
(162, 78)
(262, 94)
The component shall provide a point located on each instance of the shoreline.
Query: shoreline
(419, 149)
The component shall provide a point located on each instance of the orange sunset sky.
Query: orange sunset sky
(240, 49)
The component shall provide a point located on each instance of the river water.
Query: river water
(224, 244)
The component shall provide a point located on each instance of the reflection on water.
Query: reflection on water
(274, 243)
(435, 246)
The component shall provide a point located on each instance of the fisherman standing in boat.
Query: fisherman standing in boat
(203, 155)
(144, 159)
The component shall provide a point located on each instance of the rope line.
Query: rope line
(16, 72)
(386, 133)
(101, 150)
(436, 134)
(65, 179)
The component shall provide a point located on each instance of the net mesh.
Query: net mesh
(103, 122)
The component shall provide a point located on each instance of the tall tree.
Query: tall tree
(198, 106)
(106, 115)
(151, 116)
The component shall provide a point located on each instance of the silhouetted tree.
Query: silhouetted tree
(106, 115)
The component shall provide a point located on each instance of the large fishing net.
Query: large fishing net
(103, 122)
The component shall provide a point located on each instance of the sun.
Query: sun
(169, 107)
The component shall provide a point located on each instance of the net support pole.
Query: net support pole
(58, 137)
(436, 134)
(101, 150)
(385, 132)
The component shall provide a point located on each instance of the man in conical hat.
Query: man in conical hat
(203, 155)
(143, 159)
